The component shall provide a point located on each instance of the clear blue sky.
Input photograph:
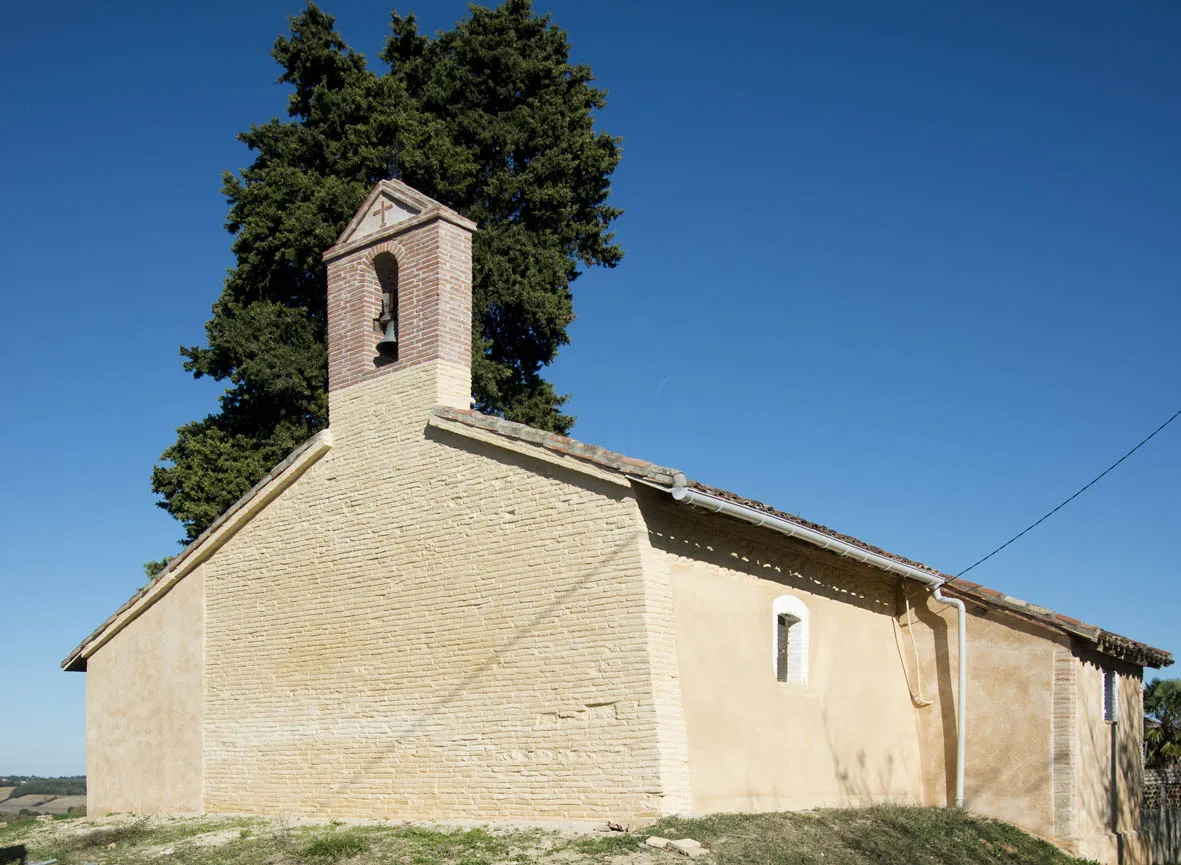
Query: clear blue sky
(906, 269)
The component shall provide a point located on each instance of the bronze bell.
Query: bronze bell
(388, 346)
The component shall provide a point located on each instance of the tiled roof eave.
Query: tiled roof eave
(286, 472)
(1105, 641)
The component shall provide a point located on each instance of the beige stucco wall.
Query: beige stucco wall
(872, 724)
(1039, 754)
(1110, 764)
(144, 710)
(846, 737)
(1010, 713)
(429, 626)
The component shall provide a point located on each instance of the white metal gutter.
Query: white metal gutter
(746, 513)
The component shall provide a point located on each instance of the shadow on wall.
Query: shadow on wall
(860, 783)
(1162, 832)
(943, 700)
(1160, 814)
(688, 533)
(1009, 718)
(871, 752)
(1110, 754)
(556, 608)
(560, 605)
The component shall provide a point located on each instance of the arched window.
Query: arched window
(386, 267)
(790, 635)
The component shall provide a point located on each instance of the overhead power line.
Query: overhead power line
(1096, 480)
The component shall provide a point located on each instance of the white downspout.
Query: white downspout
(961, 709)
(719, 505)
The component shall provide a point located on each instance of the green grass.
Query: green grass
(125, 836)
(336, 845)
(871, 836)
(419, 846)
(604, 848)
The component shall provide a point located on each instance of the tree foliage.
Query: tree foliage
(153, 568)
(71, 785)
(1162, 723)
(492, 119)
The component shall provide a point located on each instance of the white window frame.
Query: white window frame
(797, 639)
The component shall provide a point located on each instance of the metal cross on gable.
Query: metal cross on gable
(382, 209)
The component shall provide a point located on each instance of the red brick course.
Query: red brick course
(434, 302)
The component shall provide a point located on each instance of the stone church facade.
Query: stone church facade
(425, 612)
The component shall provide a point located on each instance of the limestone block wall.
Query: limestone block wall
(430, 626)
(660, 624)
(144, 710)
(846, 737)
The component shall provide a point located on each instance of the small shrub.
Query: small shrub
(335, 845)
(618, 844)
(475, 846)
(118, 835)
(281, 833)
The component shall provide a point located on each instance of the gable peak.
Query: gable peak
(389, 203)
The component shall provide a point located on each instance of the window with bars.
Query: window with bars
(1110, 696)
(790, 640)
(783, 625)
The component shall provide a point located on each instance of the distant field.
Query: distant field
(59, 796)
(42, 804)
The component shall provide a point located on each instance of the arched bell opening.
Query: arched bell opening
(386, 267)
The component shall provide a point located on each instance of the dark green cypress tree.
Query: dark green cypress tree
(490, 118)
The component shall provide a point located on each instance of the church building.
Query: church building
(427, 613)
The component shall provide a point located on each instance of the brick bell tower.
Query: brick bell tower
(400, 293)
